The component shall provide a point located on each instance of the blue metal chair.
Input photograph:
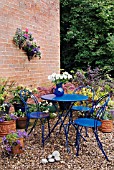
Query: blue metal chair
(93, 122)
(84, 107)
(33, 112)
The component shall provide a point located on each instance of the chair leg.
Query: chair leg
(27, 124)
(86, 131)
(43, 134)
(77, 143)
(100, 144)
(66, 134)
(48, 126)
(60, 118)
(33, 126)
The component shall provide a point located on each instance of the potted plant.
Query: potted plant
(5, 87)
(21, 119)
(32, 50)
(24, 40)
(107, 122)
(7, 124)
(58, 80)
(16, 100)
(21, 37)
(13, 143)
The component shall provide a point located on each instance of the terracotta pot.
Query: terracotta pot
(21, 122)
(6, 127)
(18, 148)
(107, 126)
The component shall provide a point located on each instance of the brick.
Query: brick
(42, 19)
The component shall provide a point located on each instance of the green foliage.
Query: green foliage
(16, 94)
(87, 34)
(102, 83)
(107, 116)
(19, 113)
(5, 87)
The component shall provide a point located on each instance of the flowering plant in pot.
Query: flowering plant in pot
(21, 37)
(8, 117)
(58, 80)
(24, 40)
(7, 124)
(15, 98)
(5, 86)
(106, 117)
(21, 119)
(32, 50)
(107, 122)
(13, 143)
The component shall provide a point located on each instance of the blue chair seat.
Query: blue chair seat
(87, 122)
(81, 108)
(38, 115)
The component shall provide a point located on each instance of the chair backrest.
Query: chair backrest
(88, 91)
(29, 100)
(100, 106)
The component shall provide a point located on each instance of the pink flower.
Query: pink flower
(26, 30)
(26, 35)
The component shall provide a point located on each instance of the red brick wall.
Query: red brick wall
(41, 17)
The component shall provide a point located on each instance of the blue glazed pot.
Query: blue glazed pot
(59, 91)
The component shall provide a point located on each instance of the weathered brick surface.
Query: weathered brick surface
(41, 17)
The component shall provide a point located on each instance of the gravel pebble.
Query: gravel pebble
(90, 156)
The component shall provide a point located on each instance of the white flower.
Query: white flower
(69, 76)
(65, 76)
(59, 78)
(50, 104)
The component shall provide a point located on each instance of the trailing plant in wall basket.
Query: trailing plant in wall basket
(24, 40)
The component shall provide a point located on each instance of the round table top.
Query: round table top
(64, 98)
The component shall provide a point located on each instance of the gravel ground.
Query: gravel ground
(90, 156)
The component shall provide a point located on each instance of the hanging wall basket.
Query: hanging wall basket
(24, 40)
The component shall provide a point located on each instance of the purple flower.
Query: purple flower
(21, 134)
(13, 117)
(18, 141)
(8, 148)
(8, 117)
(2, 119)
(4, 140)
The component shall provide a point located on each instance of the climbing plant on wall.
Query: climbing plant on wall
(24, 40)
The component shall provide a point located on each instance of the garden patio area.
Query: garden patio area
(90, 156)
(57, 71)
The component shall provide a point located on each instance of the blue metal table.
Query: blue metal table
(65, 98)
(68, 100)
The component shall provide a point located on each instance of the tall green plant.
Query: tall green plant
(87, 34)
